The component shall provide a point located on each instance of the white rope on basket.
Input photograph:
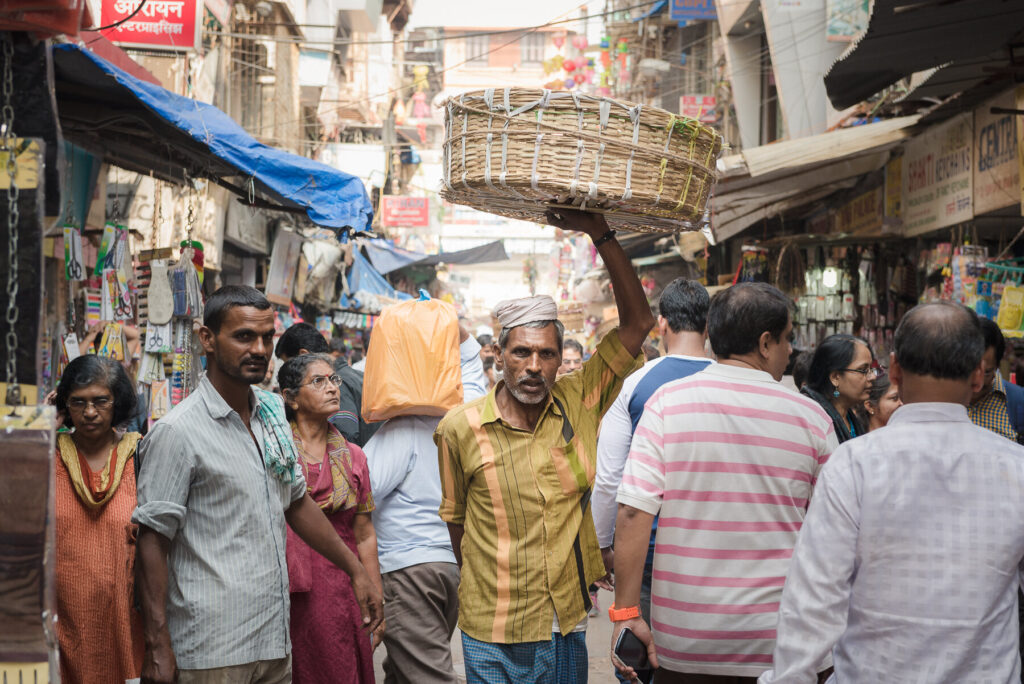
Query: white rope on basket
(489, 99)
(504, 148)
(580, 148)
(634, 115)
(540, 138)
(446, 149)
(465, 125)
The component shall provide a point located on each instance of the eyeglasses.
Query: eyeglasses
(101, 404)
(863, 371)
(320, 382)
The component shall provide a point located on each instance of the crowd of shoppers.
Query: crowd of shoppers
(864, 528)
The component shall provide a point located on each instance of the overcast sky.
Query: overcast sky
(495, 14)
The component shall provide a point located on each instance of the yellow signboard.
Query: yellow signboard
(862, 214)
(27, 161)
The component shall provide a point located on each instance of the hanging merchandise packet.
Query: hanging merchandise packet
(108, 244)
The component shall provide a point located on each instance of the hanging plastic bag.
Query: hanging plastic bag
(1011, 308)
(412, 366)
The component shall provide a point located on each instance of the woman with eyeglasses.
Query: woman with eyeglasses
(99, 630)
(329, 643)
(839, 379)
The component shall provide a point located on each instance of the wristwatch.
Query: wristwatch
(623, 614)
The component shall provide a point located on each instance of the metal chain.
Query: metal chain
(191, 220)
(8, 144)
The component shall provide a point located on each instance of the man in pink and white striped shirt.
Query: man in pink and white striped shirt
(728, 457)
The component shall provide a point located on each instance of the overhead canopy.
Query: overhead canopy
(386, 258)
(766, 181)
(145, 128)
(907, 36)
(816, 149)
(658, 6)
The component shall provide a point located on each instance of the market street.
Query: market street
(456, 341)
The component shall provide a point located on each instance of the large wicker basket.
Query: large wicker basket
(518, 152)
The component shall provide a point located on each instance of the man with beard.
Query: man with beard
(218, 482)
(516, 470)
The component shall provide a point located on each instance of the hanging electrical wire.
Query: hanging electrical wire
(121, 21)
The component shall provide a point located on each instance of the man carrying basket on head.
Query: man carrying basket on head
(517, 468)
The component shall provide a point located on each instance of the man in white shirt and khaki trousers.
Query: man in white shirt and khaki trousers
(908, 563)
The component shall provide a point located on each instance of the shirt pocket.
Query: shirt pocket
(573, 466)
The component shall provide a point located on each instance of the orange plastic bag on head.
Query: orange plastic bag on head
(413, 366)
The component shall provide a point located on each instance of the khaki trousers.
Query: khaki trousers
(421, 608)
(261, 672)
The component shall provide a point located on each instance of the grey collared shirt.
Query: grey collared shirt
(203, 485)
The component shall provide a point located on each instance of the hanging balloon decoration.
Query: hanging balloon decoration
(559, 41)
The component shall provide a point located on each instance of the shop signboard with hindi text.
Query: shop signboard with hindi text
(700, 107)
(158, 24)
(689, 10)
(406, 212)
(937, 177)
(996, 173)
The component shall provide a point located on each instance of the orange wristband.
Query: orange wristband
(622, 614)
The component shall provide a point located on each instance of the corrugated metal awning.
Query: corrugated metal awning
(817, 149)
(907, 36)
(787, 175)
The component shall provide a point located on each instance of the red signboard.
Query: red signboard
(407, 212)
(700, 107)
(160, 24)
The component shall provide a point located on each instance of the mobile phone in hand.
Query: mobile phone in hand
(632, 652)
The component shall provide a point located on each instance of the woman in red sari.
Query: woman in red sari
(329, 642)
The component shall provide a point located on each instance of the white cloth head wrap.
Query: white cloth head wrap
(512, 313)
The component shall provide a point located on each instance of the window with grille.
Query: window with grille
(477, 48)
(532, 48)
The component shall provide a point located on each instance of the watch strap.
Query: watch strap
(622, 614)
(607, 237)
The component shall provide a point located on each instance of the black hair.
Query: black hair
(940, 339)
(834, 353)
(684, 304)
(879, 388)
(90, 370)
(485, 340)
(739, 315)
(993, 337)
(228, 297)
(570, 343)
(801, 367)
(298, 337)
(338, 345)
(293, 374)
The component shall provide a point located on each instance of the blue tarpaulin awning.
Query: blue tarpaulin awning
(658, 7)
(143, 127)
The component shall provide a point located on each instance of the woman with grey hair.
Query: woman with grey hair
(328, 640)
